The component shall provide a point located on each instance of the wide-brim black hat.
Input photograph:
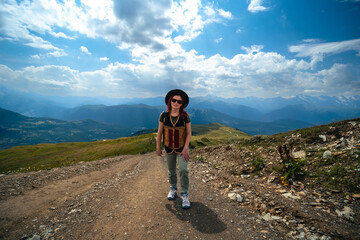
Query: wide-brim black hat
(179, 92)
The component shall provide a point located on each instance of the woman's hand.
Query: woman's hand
(185, 155)
(159, 152)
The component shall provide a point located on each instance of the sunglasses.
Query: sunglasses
(175, 100)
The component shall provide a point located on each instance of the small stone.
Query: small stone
(267, 217)
(356, 196)
(346, 213)
(35, 237)
(299, 154)
(42, 227)
(300, 236)
(353, 123)
(302, 194)
(271, 179)
(323, 137)
(327, 154)
(289, 195)
(232, 196)
(276, 217)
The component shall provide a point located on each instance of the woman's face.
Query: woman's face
(176, 102)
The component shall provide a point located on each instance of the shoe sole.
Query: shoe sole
(169, 198)
(184, 207)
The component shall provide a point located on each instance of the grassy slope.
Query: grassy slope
(340, 171)
(47, 156)
(215, 133)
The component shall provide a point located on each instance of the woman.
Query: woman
(175, 130)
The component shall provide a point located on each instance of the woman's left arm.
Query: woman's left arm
(185, 152)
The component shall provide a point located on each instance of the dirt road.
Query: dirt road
(119, 198)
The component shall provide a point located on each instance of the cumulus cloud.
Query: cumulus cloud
(129, 23)
(253, 73)
(152, 32)
(85, 50)
(48, 80)
(256, 6)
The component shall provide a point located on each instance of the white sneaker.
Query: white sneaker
(172, 194)
(185, 201)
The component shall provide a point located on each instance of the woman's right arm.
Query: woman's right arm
(158, 138)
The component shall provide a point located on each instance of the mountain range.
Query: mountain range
(313, 110)
(96, 122)
(17, 129)
(37, 118)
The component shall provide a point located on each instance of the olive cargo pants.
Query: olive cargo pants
(183, 170)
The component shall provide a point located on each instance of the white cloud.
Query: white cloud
(61, 35)
(252, 49)
(57, 54)
(126, 23)
(152, 33)
(225, 14)
(318, 50)
(124, 46)
(256, 6)
(218, 40)
(255, 72)
(209, 11)
(311, 40)
(85, 50)
(36, 56)
(48, 80)
(26, 21)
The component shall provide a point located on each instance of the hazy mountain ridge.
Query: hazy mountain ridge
(140, 116)
(134, 117)
(251, 115)
(29, 104)
(16, 129)
(323, 109)
(235, 110)
(90, 123)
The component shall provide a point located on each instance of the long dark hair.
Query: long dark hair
(183, 113)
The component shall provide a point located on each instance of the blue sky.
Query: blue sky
(139, 48)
